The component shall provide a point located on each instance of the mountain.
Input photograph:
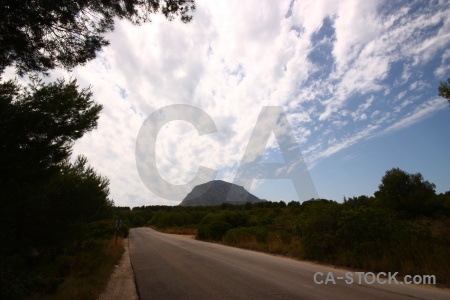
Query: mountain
(217, 192)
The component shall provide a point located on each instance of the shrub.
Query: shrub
(242, 235)
(103, 229)
(319, 223)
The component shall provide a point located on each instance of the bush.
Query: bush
(243, 235)
(318, 226)
(364, 229)
(12, 283)
(103, 229)
(124, 230)
(213, 231)
(214, 226)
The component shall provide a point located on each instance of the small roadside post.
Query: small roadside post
(118, 224)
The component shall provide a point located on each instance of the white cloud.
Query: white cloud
(337, 145)
(444, 68)
(419, 113)
(340, 69)
(401, 95)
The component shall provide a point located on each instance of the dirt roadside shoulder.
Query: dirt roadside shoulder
(121, 283)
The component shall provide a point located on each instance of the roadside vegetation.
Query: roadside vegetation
(57, 236)
(80, 272)
(57, 218)
(56, 240)
(404, 227)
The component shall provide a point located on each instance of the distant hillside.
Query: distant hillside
(216, 192)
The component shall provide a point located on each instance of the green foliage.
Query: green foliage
(319, 223)
(213, 230)
(12, 284)
(444, 90)
(442, 203)
(235, 219)
(78, 273)
(38, 125)
(40, 190)
(42, 195)
(406, 192)
(103, 229)
(42, 35)
(48, 203)
(72, 199)
(359, 201)
(124, 230)
(363, 230)
(215, 226)
(236, 236)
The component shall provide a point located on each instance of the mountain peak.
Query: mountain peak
(216, 192)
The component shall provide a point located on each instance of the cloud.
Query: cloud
(336, 145)
(340, 69)
(444, 68)
(422, 111)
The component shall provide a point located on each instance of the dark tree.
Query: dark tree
(39, 35)
(444, 90)
(38, 126)
(406, 192)
(46, 203)
(73, 198)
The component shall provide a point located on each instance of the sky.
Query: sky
(357, 81)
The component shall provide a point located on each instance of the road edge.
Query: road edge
(122, 283)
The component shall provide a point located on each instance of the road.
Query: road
(175, 267)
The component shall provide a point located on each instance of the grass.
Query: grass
(177, 230)
(88, 271)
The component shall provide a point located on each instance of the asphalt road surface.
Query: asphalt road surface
(175, 267)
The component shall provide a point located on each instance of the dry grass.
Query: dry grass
(177, 230)
(90, 276)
